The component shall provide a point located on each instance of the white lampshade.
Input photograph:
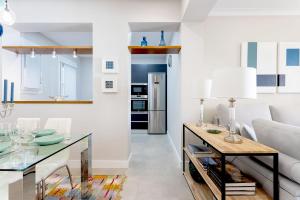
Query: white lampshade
(204, 89)
(234, 82)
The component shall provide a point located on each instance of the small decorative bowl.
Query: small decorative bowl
(214, 131)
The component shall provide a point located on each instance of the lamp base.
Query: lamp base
(233, 138)
(199, 124)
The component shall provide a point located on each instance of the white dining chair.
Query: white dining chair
(48, 167)
(28, 124)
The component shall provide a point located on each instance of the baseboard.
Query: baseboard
(103, 164)
(174, 148)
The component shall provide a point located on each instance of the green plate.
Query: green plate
(2, 132)
(4, 146)
(49, 140)
(44, 132)
(213, 131)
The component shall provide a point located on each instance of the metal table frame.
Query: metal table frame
(17, 189)
(223, 160)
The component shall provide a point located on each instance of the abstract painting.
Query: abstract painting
(289, 67)
(263, 57)
(110, 65)
(109, 85)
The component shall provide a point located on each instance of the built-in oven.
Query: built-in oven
(139, 90)
(139, 104)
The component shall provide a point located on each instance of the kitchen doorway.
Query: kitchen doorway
(152, 47)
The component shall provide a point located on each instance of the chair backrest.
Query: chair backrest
(28, 124)
(61, 125)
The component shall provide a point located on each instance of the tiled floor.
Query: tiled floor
(154, 171)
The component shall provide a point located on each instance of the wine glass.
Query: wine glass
(25, 136)
(13, 134)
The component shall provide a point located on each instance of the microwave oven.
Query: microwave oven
(139, 90)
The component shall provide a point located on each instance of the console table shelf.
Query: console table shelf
(196, 188)
(216, 142)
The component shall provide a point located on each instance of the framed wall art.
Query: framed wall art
(289, 67)
(109, 85)
(110, 65)
(263, 57)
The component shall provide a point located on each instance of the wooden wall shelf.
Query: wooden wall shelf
(154, 49)
(80, 50)
(54, 102)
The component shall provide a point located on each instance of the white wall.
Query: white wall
(174, 99)
(108, 116)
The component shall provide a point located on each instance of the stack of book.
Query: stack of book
(202, 153)
(236, 184)
(199, 151)
(206, 161)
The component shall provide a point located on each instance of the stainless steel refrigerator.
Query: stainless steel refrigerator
(157, 103)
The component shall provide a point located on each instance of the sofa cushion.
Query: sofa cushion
(288, 166)
(265, 178)
(248, 132)
(286, 114)
(244, 113)
(284, 138)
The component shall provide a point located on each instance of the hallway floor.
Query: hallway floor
(154, 171)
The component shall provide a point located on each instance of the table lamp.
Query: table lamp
(203, 92)
(234, 83)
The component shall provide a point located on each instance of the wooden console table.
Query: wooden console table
(217, 143)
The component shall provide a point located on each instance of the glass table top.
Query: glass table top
(24, 158)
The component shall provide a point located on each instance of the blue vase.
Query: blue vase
(1, 30)
(144, 42)
(162, 39)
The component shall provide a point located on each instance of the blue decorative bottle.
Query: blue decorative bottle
(162, 39)
(144, 42)
(1, 30)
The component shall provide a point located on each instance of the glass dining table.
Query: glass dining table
(18, 166)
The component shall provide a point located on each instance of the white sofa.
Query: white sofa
(278, 127)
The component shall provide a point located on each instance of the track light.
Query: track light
(74, 54)
(32, 53)
(54, 54)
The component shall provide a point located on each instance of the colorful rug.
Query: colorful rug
(103, 188)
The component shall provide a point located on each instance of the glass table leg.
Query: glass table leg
(24, 188)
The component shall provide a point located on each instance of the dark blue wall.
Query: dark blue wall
(139, 72)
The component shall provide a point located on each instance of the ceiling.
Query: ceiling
(257, 7)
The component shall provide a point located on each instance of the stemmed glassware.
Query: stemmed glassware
(13, 134)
